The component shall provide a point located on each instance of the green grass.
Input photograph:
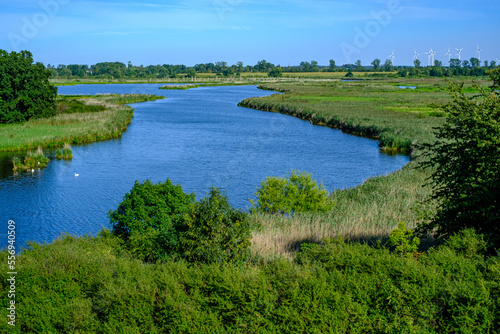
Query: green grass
(367, 108)
(78, 127)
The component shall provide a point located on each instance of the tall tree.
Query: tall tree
(332, 66)
(376, 64)
(466, 166)
(25, 91)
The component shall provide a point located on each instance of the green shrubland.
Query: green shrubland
(94, 285)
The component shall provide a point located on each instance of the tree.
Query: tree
(387, 66)
(376, 64)
(495, 77)
(25, 91)
(332, 67)
(455, 63)
(359, 67)
(191, 73)
(474, 62)
(417, 63)
(466, 166)
(276, 73)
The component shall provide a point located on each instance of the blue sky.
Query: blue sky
(281, 32)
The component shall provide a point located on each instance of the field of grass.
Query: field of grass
(73, 128)
(374, 108)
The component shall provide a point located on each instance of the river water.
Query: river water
(197, 138)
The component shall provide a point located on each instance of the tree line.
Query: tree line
(118, 70)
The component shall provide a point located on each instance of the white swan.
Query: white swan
(76, 175)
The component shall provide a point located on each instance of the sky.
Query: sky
(281, 32)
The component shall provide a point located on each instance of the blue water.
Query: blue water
(198, 138)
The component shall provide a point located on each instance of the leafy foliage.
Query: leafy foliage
(215, 231)
(25, 91)
(91, 285)
(148, 216)
(466, 157)
(403, 241)
(160, 221)
(297, 193)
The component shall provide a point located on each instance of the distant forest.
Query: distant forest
(118, 70)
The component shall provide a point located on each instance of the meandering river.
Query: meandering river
(198, 138)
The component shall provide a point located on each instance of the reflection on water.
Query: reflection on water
(198, 138)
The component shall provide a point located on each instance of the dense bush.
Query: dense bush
(215, 231)
(149, 216)
(25, 91)
(466, 166)
(297, 193)
(74, 106)
(160, 221)
(92, 285)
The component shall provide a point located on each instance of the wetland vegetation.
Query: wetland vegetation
(174, 264)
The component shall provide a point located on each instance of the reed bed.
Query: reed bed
(365, 213)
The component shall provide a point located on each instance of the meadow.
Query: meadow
(96, 118)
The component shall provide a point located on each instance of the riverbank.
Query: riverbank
(111, 119)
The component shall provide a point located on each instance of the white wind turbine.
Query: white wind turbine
(432, 56)
(428, 57)
(478, 52)
(459, 52)
(449, 55)
(415, 57)
(392, 57)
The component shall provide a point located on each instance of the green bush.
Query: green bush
(148, 217)
(92, 285)
(160, 221)
(68, 106)
(297, 193)
(215, 231)
(403, 241)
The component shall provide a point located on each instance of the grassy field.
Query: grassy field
(73, 128)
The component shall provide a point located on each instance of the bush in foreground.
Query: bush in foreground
(92, 285)
(160, 221)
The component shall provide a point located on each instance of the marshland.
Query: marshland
(335, 269)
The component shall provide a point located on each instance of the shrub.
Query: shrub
(148, 216)
(215, 231)
(298, 193)
(160, 221)
(403, 241)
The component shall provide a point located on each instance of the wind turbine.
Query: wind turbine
(459, 52)
(415, 57)
(478, 52)
(449, 55)
(392, 57)
(432, 56)
(428, 57)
